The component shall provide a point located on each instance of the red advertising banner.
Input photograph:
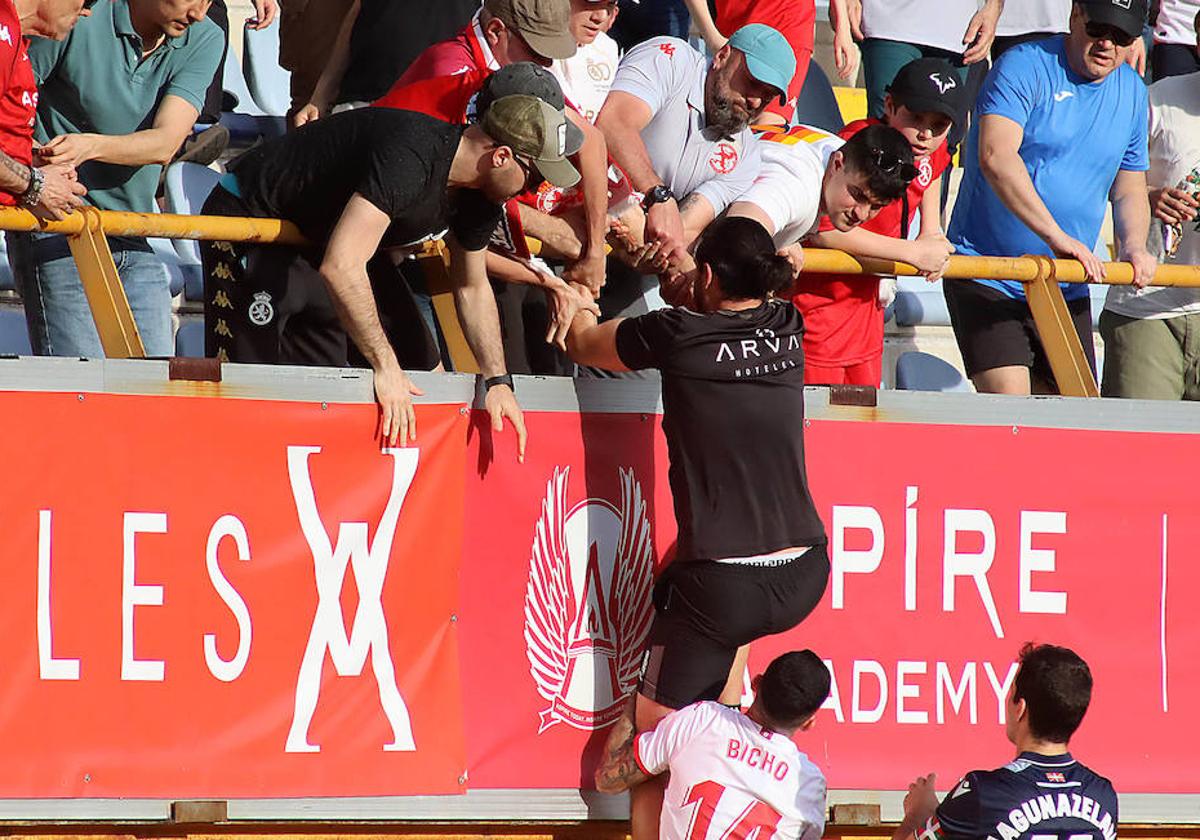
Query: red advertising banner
(270, 618)
(951, 546)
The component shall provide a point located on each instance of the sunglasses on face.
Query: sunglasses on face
(893, 165)
(532, 178)
(1104, 32)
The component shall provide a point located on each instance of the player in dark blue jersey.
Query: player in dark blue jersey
(1044, 793)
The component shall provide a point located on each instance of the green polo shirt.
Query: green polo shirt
(97, 82)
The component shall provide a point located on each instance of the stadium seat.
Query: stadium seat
(7, 284)
(189, 338)
(916, 371)
(246, 122)
(921, 303)
(268, 83)
(816, 105)
(14, 336)
(187, 186)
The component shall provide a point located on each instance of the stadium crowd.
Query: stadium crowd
(672, 187)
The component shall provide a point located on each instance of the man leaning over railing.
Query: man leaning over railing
(49, 191)
(352, 183)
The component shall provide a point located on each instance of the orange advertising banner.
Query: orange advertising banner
(225, 598)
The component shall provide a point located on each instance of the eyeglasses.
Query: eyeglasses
(530, 172)
(893, 165)
(1105, 32)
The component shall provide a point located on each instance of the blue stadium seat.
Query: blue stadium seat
(247, 122)
(268, 83)
(916, 371)
(189, 338)
(921, 303)
(14, 336)
(1099, 294)
(7, 284)
(186, 187)
(816, 105)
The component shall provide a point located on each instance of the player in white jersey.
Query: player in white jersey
(734, 775)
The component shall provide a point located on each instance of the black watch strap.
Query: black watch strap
(657, 195)
(503, 379)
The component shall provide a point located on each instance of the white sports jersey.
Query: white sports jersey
(729, 776)
(788, 188)
(587, 76)
(668, 75)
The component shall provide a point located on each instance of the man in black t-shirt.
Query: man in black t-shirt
(355, 182)
(1044, 792)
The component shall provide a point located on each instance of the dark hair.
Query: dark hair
(742, 256)
(884, 157)
(793, 687)
(1056, 685)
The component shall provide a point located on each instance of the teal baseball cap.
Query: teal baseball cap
(769, 56)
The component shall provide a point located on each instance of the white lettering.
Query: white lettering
(965, 689)
(228, 670)
(1000, 688)
(957, 564)
(854, 561)
(749, 348)
(905, 690)
(49, 668)
(369, 634)
(134, 594)
(910, 549)
(857, 713)
(834, 700)
(1039, 560)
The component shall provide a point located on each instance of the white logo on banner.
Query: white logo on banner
(368, 634)
(587, 605)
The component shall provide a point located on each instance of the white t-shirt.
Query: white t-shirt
(1023, 16)
(930, 23)
(729, 773)
(1174, 154)
(586, 76)
(1176, 22)
(668, 75)
(788, 189)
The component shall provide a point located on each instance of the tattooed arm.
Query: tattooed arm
(619, 771)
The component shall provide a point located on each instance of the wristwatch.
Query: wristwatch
(33, 193)
(657, 195)
(503, 379)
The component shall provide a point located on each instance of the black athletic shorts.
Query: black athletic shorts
(705, 610)
(269, 304)
(994, 330)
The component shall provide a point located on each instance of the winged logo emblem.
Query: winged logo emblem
(587, 603)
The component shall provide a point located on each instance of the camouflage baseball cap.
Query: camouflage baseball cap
(544, 24)
(535, 130)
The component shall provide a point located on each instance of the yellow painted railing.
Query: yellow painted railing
(86, 230)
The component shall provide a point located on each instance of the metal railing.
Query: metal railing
(86, 230)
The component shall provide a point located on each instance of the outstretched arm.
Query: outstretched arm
(619, 770)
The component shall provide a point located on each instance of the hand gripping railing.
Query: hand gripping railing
(86, 230)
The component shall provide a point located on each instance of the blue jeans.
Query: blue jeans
(56, 308)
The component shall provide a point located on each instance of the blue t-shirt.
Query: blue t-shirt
(1034, 796)
(1078, 135)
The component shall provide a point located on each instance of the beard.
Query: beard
(723, 116)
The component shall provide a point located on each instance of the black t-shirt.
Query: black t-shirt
(389, 34)
(397, 160)
(1052, 797)
(733, 399)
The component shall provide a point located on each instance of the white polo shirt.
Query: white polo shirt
(586, 77)
(1024, 16)
(931, 23)
(730, 776)
(1174, 156)
(668, 75)
(788, 189)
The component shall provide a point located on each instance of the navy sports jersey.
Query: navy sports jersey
(1034, 797)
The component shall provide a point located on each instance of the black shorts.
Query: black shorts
(994, 330)
(704, 611)
(269, 304)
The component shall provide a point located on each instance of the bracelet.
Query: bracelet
(503, 379)
(33, 193)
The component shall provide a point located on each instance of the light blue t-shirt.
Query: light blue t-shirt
(1078, 135)
(97, 81)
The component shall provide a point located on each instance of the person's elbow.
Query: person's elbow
(995, 160)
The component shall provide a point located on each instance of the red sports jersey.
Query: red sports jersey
(444, 97)
(18, 93)
(794, 19)
(843, 321)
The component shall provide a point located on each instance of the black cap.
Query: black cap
(521, 79)
(1127, 15)
(930, 84)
